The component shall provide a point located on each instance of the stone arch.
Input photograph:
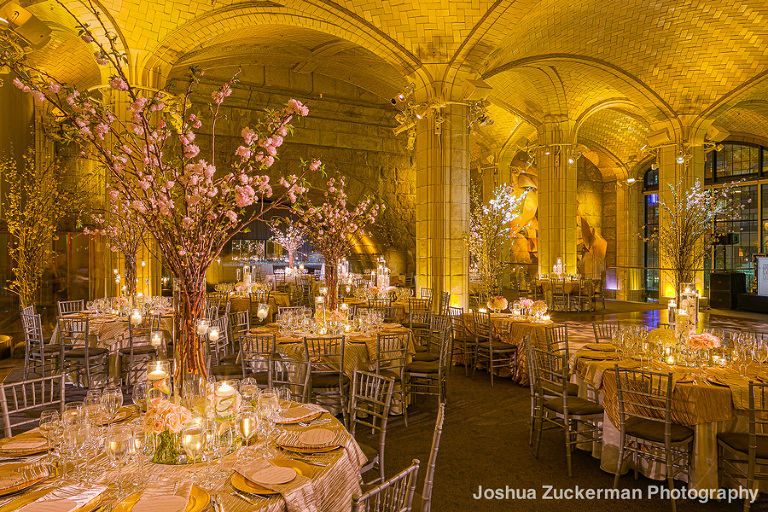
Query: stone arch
(340, 23)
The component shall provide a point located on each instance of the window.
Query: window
(651, 179)
(651, 246)
(735, 161)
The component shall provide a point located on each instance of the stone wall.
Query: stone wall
(349, 129)
(589, 196)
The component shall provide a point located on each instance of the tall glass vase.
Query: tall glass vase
(189, 349)
(130, 275)
(332, 284)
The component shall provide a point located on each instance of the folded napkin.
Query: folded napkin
(66, 499)
(24, 444)
(164, 495)
(11, 478)
(15, 473)
(601, 347)
(299, 413)
(298, 492)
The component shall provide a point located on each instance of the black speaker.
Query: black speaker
(724, 289)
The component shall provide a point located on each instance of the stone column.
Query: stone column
(557, 198)
(442, 203)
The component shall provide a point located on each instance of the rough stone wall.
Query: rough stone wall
(349, 129)
(589, 195)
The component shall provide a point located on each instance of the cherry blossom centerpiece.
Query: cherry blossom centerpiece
(330, 227)
(157, 172)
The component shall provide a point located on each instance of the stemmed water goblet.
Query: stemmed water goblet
(120, 445)
(139, 395)
(49, 425)
(247, 425)
(111, 401)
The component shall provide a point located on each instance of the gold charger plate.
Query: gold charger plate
(21, 453)
(23, 485)
(712, 379)
(199, 499)
(600, 356)
(27, 498)
(123, 414)
(242, 484)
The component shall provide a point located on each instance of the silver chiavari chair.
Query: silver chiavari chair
(604, 331)
(370, 399)
(423, 502)
(67, 307)
(77, 354)
(393, 495)
(22, 402)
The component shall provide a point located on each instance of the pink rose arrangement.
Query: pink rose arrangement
(526, 303)
(163, 415)
(703, 341)
(337, 316)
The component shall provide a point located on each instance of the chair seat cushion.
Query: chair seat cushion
(370, 452)
(423, 367)
(227, 370)
(328, 380)
(79, 353)
(420, 349)
(426, 356)
(576, 406)
(463, 338)
(572, 389)
(497, 345)
(740, 443)
(389, 374)
(230, 359)
(654, 430)
(420, 325)
(138, 351)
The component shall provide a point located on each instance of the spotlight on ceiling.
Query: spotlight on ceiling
(571, 160)
(680, 158)
(654, 166)
(631, 181)
(25, 25)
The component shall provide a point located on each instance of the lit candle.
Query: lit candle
(202, 327)
(301, 267)
(156, 339)
(136, 317)
(213, 334)
(225, 390)
(323, 290)
(344, 307)
(670, 359)
(482, 310)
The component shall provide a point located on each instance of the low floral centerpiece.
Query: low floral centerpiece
(336, 320)
(538, 309)
(663, 336)
(703, 341)
(165, 420)
(497, 303)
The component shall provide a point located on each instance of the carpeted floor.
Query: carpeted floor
(485, 437)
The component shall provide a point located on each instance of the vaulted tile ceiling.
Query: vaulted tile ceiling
(615, 72)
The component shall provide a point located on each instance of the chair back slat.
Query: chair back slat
(482, 324)
(551, 378)
(255, 352)
(604, 330)
(392, 495)
(391, 351)
(326, 354)
(426, 494)
(18, 399)
(292, 371)
(557, 339)
(644, 394)
(369, 401)
(66, 307)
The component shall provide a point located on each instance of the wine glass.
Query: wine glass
(73, 413)
(193, 439)
(139, 395)
(111, 401)
(73, 438)
(49, 423)
(262, 311)
(120, 444)
(92, 408)
(761, 351)
(247, 423)
(249, 389)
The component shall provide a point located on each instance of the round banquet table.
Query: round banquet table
(710, 401)
(111, 332)
(334, 477)
(359, 350)
(512, 329)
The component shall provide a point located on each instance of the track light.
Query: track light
(631, 181)
(680, 158)
(571, 160)
(654, 166)
(546, 152)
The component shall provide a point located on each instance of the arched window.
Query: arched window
(735, 161)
